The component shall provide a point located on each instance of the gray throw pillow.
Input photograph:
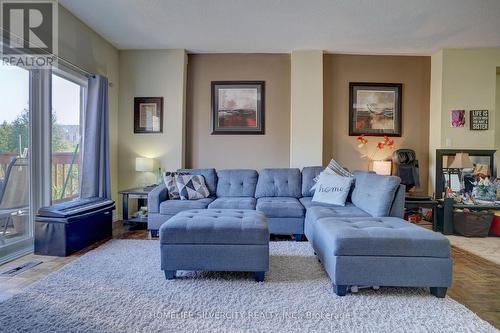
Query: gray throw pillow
(169, 180)
(332, 189)
(191, 187)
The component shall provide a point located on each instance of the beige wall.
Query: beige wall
(306, 138)
(468, 80)
(412, 72)
(151, 73)
(83, 47)
(238, 151)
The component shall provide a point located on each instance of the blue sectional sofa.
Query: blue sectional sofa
(365, 242)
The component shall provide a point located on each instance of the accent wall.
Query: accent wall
(412, 71)
(238, 151)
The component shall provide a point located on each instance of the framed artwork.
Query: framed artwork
(238, 107)
(148, 115)
(375, 109)
(457, 118)
(479, 120)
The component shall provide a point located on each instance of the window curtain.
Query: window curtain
(95, 179)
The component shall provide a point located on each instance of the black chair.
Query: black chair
(406, 165)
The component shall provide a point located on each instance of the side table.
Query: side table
(141, 194)
(431, 204)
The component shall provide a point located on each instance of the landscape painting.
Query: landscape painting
(375, 109)
(238, 107)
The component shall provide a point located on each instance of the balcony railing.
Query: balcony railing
(61, 179)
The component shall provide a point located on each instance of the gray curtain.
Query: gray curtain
(95, 180)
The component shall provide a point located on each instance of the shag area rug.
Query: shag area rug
(119, 287)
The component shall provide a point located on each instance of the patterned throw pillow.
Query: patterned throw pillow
(169, 179)
(333, 168)
(191, 187)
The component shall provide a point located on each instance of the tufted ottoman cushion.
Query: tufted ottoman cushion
(215, 240)
(371, 236)
(215, 226)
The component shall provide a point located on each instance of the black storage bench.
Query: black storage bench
(68, 227)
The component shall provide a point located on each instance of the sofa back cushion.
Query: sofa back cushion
(286, 182)
(236, 183)
(308, 175)
(374, 193)
(210, 177)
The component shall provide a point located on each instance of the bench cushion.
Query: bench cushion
(285, 182)
(233, 203)
(280, 207)
(236, 183)
(387, 236)
(169, 207)
(216, 226)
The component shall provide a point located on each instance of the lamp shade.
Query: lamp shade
(383, 168)
(144, 164)
(461, 161)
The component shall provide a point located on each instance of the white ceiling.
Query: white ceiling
(341, 26)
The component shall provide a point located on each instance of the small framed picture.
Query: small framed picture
(375, 109)
(148, 115)
(238, 107)
(479, 120)
(457, 118)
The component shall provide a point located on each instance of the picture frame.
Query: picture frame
(479, 120)
(148, 115)
(375, 109)
(238, 107)
(457, 118)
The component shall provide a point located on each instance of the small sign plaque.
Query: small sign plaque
(479, 120)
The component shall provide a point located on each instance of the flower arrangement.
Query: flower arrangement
(381, 145)
(485, 189)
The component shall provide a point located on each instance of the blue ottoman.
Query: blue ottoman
(215, 240)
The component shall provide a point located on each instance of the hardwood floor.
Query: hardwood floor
(476, 280)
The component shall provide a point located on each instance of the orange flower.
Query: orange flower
(380, 145)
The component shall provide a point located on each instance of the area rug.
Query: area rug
(119, 288)
(487, 248)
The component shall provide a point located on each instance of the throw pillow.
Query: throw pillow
(332, 189)
(191, 187)
(169, 179)
(333, 168)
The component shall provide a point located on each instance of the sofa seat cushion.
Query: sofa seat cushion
(372, 236)
(216, 226)
(280, 207)
(236, 183)
(233, 203)
(169, 207)
(315, 212)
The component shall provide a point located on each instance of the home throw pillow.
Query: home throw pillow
(332, 189)
(191, 187)
(333, 168)
(169, 179)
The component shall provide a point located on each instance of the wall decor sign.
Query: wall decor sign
(148, 115)
(457, 118)
(238, 107)
(479, 120)
(375, 109)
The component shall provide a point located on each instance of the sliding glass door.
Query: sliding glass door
(15, 186)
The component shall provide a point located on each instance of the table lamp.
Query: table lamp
(383, 168)
(144, 164)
